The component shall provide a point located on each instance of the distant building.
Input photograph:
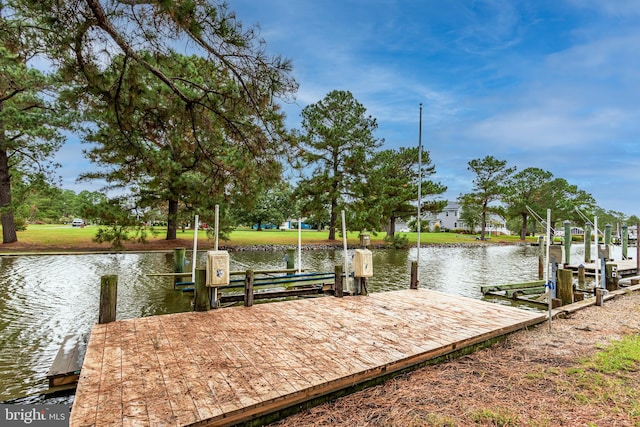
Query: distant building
(450, 219)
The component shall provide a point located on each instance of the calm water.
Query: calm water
(45, 298)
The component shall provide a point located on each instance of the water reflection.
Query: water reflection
(45, 298)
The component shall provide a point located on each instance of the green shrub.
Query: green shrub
(20, 223)
(398, 241)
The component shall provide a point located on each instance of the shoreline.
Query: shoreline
(168, 247)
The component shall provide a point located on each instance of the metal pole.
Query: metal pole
(419, 222)
(638, 248)
(346, 260)
(195, 248)
(547, 278)
(299, 246)
(217, 226)
(597, 257)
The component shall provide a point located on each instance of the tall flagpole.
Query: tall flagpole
(419, 184)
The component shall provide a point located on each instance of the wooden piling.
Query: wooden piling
(625, 241)
(357, 286)
(567, 242)
(108, 298)
(291, 259)
(607, 241)
(363, 284)
(587, 243)
(581, 276)
(201, 291)
(339, 287)
(248, 288)
(178, 264)
(611, 273)
(565, 286)
(541, 254)
(414, 275)
(599, 295)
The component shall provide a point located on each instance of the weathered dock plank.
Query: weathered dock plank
(65, 369)
(232, 365)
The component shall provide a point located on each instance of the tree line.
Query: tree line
(519, 196)
(178, 133)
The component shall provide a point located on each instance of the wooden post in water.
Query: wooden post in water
(565, 286)
(567, 242)
(541, 254)
(581, 276)
(625, 241)
(201, 291)
(248, 288)
(587, 242)
(339, 288)
(611, 272)
(291, 260)
(108, 298)
(178, 264)
(414, 275)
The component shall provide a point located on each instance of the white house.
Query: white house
(449, 219)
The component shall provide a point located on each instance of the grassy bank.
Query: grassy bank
(64, 237)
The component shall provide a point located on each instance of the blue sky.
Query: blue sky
(548, 84)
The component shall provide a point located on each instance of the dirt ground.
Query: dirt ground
(533, 378)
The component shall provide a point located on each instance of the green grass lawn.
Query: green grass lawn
(65, 235)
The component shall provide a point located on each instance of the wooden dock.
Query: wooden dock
(65, 370)
(626, 267)
(234, 365)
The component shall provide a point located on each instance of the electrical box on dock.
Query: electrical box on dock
(217, 268)
(362, 263)
(557, 252)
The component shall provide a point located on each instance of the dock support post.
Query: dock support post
(108, 298)
(582, 277)
(611, 271)
(339, 287)
(607, 241)
(414, 275)
(565, 286)
(248, 288)
(567, 242)
(541, 255)
(291, 260)
(587, 242)
(178, 264)
(625, 241)
(357, 286)
(201, 292)
(599, 300)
